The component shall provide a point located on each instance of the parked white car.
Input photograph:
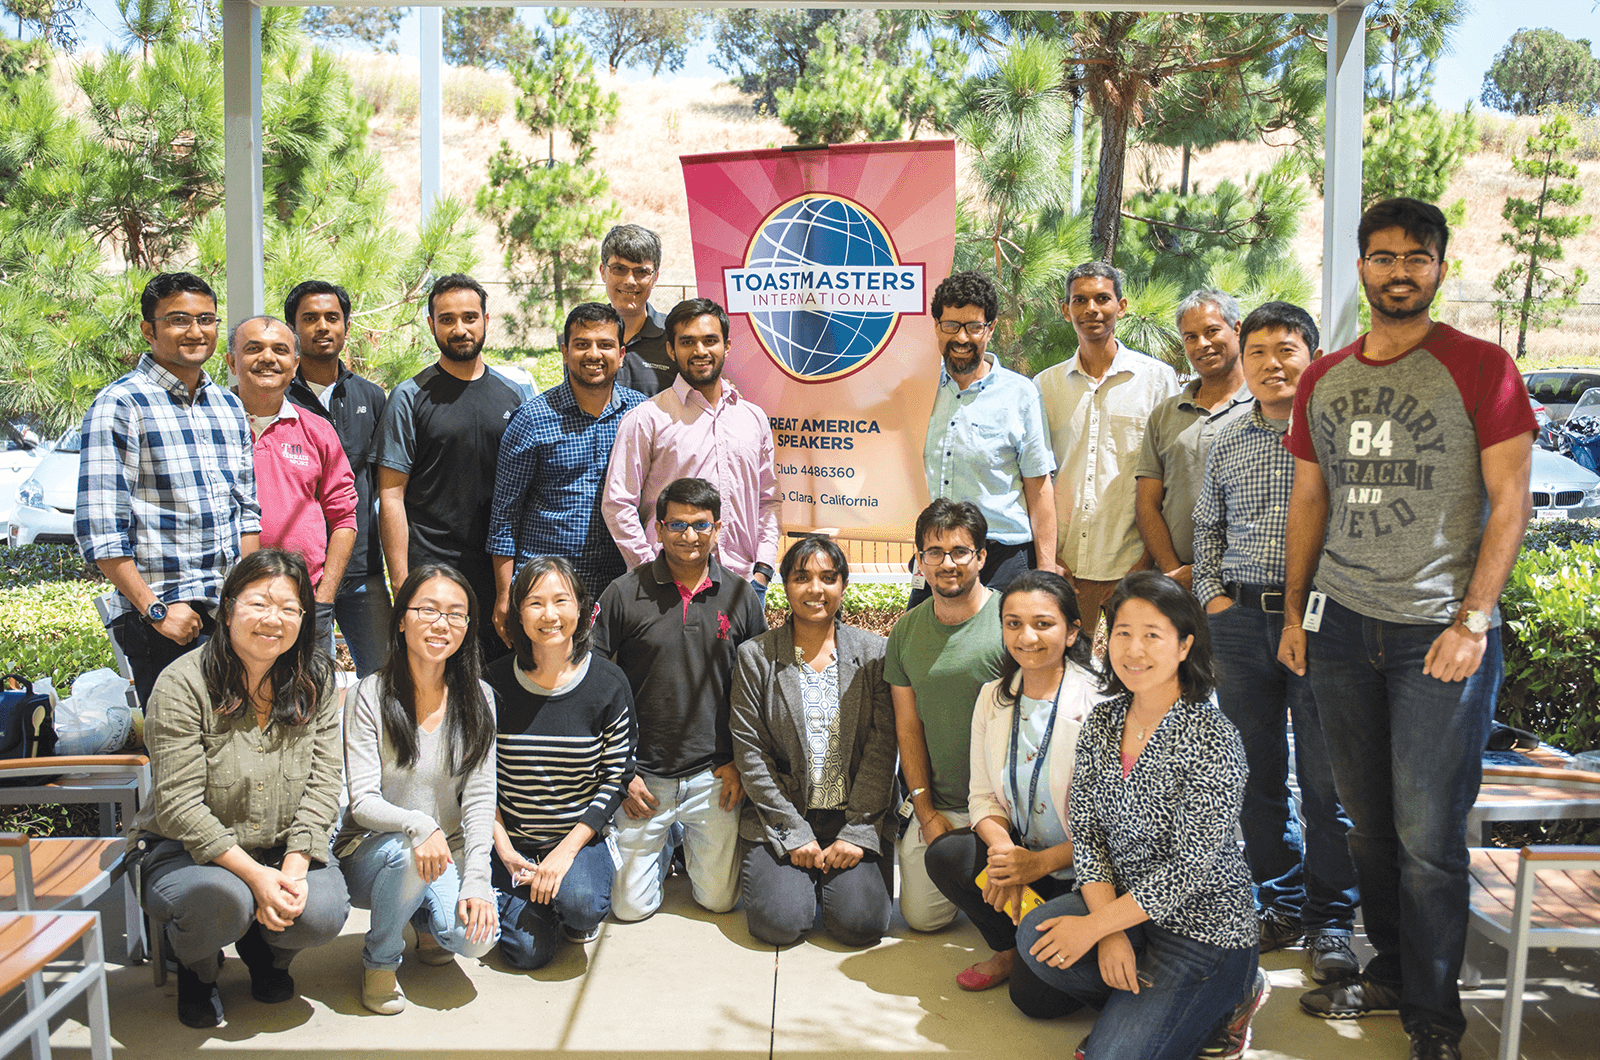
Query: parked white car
(1563, 488)
(19, 455)
(47, 500)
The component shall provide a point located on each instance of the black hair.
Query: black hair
(457, 281)
(689, 309)
(300, 677)
(966, 288)
(795, 559)
(233, 332)
(945, 515)
(291, 301)
(526, 579)
(1080, 651)
(633, 243)
(1197, 674)
(691, 493)
(165, 285)
(469, 724)
(590, 313)
(1285, 315)
(1096, 269)
(1422, 221)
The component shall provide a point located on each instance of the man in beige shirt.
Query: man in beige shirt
(1098, 403)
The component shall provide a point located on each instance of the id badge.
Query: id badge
(1312, 621)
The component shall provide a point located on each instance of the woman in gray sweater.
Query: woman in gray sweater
(419, 758)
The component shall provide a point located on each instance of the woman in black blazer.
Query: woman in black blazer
(813, 737)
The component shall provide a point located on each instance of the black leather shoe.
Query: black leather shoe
(199, 1003)
(268, 984)
(1429, 1044)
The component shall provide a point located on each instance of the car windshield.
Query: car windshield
(70, 442)
(1588, 404)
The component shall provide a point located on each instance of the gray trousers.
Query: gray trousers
(203, 908)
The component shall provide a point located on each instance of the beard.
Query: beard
(962, 358)
(456, 353)
(1400, 306)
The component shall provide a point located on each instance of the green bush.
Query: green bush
(1551, 638)
(51, 630)
(875, 598)
(33, 564)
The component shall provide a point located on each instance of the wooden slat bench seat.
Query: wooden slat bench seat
(67, 873)
(31, 941)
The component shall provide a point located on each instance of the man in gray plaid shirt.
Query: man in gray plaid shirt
(166, 482)
(1304, 886)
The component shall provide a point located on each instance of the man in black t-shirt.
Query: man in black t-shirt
(630, 264)
(437, 450)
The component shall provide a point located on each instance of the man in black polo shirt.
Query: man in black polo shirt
(674, 625)
(437, 450)
(319, 312)
(630, 264)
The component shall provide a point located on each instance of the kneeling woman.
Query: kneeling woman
(245, 765)
(1161, 936)
(1024, 730)
(566, 745)
(813, 737)
(419, 754)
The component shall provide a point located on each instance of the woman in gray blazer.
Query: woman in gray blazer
(813, 737)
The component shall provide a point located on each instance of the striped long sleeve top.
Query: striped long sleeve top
(561, 757)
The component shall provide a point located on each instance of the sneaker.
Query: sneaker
(1077, 1054)
(199, 1004)
(1332, 959)
(574, 937)
(1351, 999)
(1279, 930)
(1429, 1044)
(1233, 1037)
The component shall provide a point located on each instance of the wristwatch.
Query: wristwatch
(1477, 622)
(155, 613)
(764, 569)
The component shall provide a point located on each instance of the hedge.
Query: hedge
(1551, 607)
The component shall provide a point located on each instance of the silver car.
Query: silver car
(1562, 488)
(49, 498)
(1558, 389)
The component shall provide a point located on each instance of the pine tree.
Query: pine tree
(549, 211)
(1531, 290)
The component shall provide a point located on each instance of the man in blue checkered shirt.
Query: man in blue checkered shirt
(553, 461)
(1305, 886)
(166, 482)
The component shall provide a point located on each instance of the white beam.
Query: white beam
(430, 48)
(1341, 182)
(241, 158)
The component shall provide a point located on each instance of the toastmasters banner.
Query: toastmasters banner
(825, 260)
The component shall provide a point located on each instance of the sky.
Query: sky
(1459, 75)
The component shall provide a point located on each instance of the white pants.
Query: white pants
(710, 846)
(921, 903)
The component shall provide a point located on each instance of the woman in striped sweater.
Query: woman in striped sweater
(564, 753)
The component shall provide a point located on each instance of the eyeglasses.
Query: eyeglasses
(183, 321)
(261, 609)
(430, 615)
(973, 328)
(679, 526)
(622, 272)
(934, 557)
(1407, 262)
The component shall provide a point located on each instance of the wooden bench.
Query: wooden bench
(1537, 896)
(31, 941)
(873, 556)
(1531, 793)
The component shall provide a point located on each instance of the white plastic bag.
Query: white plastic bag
(95, 719)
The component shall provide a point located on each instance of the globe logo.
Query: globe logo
(823, 287)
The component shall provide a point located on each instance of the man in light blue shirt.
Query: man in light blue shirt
(987, 440)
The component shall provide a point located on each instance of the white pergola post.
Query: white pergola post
(430, 46)
(1341, 182)
(241, 157)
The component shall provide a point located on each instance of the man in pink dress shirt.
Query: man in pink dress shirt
(700, 427)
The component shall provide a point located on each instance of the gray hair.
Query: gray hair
(233, 332)
(631, 243)
(1097, 269)
(1225, 303)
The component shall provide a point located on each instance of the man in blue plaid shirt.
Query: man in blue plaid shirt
(1304, 886)
(166, 482)
(553, 461)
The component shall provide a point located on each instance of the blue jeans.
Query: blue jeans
(382, 875)
(710, 846)
(362, 609)
(1193, 987)
(1407, 755)
(1313, 882)
(530, 931)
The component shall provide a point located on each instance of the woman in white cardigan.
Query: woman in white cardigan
(1024, 730)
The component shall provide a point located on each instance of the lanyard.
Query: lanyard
(1026, 823)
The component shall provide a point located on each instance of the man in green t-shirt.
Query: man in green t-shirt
(940, 653)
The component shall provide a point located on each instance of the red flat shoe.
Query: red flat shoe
(974, 980)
